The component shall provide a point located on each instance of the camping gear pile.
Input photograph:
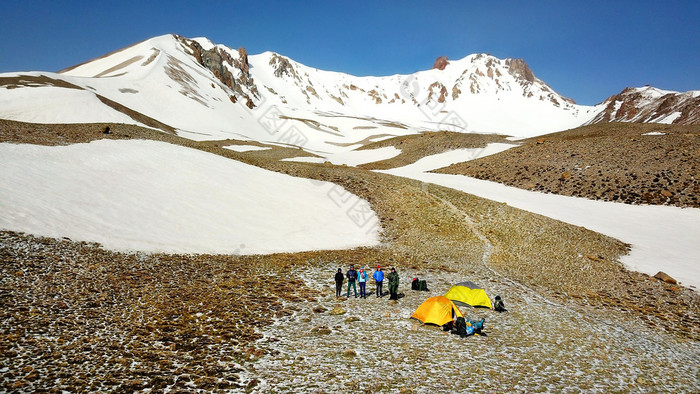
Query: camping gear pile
(419, 285)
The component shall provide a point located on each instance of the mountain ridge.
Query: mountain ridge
(205, 90)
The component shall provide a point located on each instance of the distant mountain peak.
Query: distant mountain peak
(651, 105)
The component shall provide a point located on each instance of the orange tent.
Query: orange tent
(437, 310)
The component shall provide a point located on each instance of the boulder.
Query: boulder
(665, 277)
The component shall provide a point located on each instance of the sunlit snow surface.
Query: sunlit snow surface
(663, 238)
(156, 197)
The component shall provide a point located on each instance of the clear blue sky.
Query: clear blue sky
(585, 50)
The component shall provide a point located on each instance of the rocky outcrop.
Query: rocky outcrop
(215, 60)
(520, 70)
(283, 66)
(442, 91)
(440, 63)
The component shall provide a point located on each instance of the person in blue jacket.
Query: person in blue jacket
(362, 279)
(379, 280)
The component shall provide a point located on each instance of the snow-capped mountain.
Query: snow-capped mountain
(205, 91)
(651, 105)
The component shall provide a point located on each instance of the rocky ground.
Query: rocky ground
(78, 318)
(624, 162)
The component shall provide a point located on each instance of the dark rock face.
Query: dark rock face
(441, 62)
(520, 69)
(214, 59)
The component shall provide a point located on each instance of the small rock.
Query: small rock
(254, 382)
(349, 353)
(34, 375)
(665, 277)
(19, 384)
(323, 330)
(319, 309)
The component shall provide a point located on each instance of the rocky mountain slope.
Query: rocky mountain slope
(651, 105)
(631, 163)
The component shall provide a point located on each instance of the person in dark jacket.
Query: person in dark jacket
(352, 277)
(393, 278)
(498, 305)
(339, 278)
(379, 280)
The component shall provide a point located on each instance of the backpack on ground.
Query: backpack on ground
(423, 285)
(461, 328)
(419, 285)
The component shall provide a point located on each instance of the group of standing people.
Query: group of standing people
(362, 278)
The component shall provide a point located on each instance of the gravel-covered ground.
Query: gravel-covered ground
(535, 346)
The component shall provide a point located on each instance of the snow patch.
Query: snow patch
(157, 197)
(246, 148)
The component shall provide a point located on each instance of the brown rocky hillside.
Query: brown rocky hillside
(630, 163)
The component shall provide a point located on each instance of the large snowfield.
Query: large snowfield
(157, 197)
(662, 238)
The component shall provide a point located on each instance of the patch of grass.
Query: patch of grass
(416, 146)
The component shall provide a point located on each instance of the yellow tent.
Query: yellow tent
(470, 294)
(436, 310)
